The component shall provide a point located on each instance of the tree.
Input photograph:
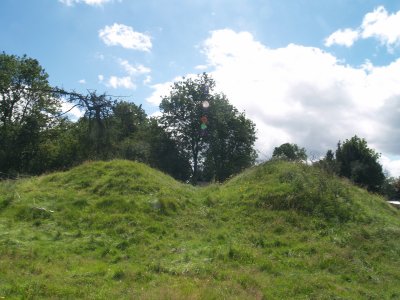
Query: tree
(328, 163)
(98, 110)
(164, 152)
(127, 124)
(137, 137)
(360, 164)
(396, 185)
(290, 152)
(207, 129)
(391, 188)
(28, 108)
(230, 139)
(60, 148)
(128, 119)
(181, 114)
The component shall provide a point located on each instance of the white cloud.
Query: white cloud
(74, 113)
(131, 70)
(117, 82)
(163, 89)
(303, 94)
(156, 114)
(127, 82)
(381, 25)
(391, 165)
(201, 67)
(377, 24)
(160, 90)
(82, 81)
(147, 80)
(121, 82)
(345, 37)
(88, 2)
(125, 36)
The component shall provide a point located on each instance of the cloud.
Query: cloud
(131, 70)
(383, 26)
(345, 37)
(391, 165)
(303, 95)
(127, 82)
(159, 90)
(88, 2)
(82, 81)
(147, 80)
(201, 67)
(121, 82)
(126, 37)
(377, 24)
(163, 89)
(74, 113)
(116, 82)
(99, 56)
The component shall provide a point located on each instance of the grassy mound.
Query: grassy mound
(279, 185)
(122, 230)
(94, 195)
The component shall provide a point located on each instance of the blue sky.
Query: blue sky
(306, 71)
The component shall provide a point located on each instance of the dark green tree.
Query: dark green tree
(59, 148)
(28, 108)
(128, 126)
(181, 113)
(391, 188)
(128, 119)
(328, 163)
(396, 185)
(230, 140)
(360, 164)
(137, 137)
(164, 152)
(209, 131)
(290, 152)
(98, 109)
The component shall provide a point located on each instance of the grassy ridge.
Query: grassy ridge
(121, 230)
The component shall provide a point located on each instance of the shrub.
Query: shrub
(310, 191)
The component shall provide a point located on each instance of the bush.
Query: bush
(310, 191)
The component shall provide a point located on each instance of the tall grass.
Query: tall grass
(121, 230)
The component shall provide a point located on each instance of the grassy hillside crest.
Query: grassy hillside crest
(122, 230)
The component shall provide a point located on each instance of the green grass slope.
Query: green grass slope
(121, 230)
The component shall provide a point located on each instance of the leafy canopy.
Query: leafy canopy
(216, 139)
(28, 110)
(359, 163)
(290, 152)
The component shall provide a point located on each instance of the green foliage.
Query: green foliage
(328, 163)
(391, 188)
(181, 114)
(300, 188)
(230, 139)
(128, 119)
(122, 230)
(164, 153)
(360, 164)
(290, 152)
(35, 138)
(28, 110)
(215, 138)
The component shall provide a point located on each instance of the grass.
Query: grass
(122, 230)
